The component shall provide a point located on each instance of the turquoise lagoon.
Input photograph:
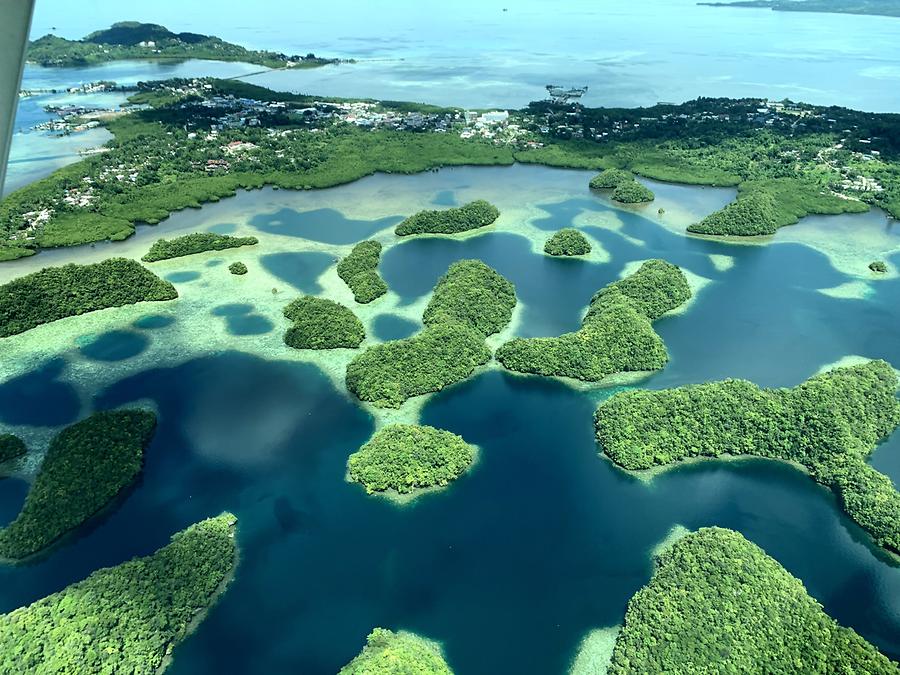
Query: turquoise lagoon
(544, 540)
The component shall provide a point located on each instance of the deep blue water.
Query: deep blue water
(324, 225)
(116, 345)
(301, 270)
(153, 321)
(394, 327)
(543, 540)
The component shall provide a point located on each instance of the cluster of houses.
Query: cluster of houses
(69, 119)
(498, 127)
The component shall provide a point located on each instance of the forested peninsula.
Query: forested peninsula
(616, 334)
(869, 7)
(86, 466)
(58, 292)
(716, 598)
(134, 40)
(829, 424)
(128, 618)
(470, 302)
(401, 653)
(203, 139)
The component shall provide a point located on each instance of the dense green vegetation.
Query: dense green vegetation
(163, 159)
(805, 156)
(454, 220)
(829, 424)
(406, 457)
(616, 335)
(359, 270)
(567, 242)
(197, 242)
(86, 466)
(878, 266)
(124, 619)
(171, 172)
(389, 653)
(611, 178)
(237, 268)
(632, 192)
(871, 7)
(764, 206)
(11, 447)
(470, 302)
(718, 603)
(624, 186)
(57, 292)
(134, 40)
(322, 324)
(473, 294)
(388, 374)
(750, 215)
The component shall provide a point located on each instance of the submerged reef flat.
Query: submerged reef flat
(319, 323)
(197, 242)
(829, 424)
(58, 292)
(595, 652)
(616, 334)
(128, 618)
(408, 457)
(470, 302)
(717, 598)
(401, 653)
(86, 466)
(450, 221)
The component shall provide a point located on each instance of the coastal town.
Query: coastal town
(227, 127)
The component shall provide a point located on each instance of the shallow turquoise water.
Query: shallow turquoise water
(543, 540)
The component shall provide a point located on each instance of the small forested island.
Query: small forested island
(472, 293)
(408, 457)
(567, 242)
(616, 334)
(401, 653)
(203, 139)
(128, 618)
(470, 302)
(625, 187)
(135, 40)
(751, 214)
(454, 220)
(11, 447)
(716, 598)
(237, 268)
(632, 192)
(609, 179)
(878, 266)
(86, 466)
(319, 323)
(359, 270)
(58, 292)
(197, 242)
(388, 374)
(870, 7)
(828, 424)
